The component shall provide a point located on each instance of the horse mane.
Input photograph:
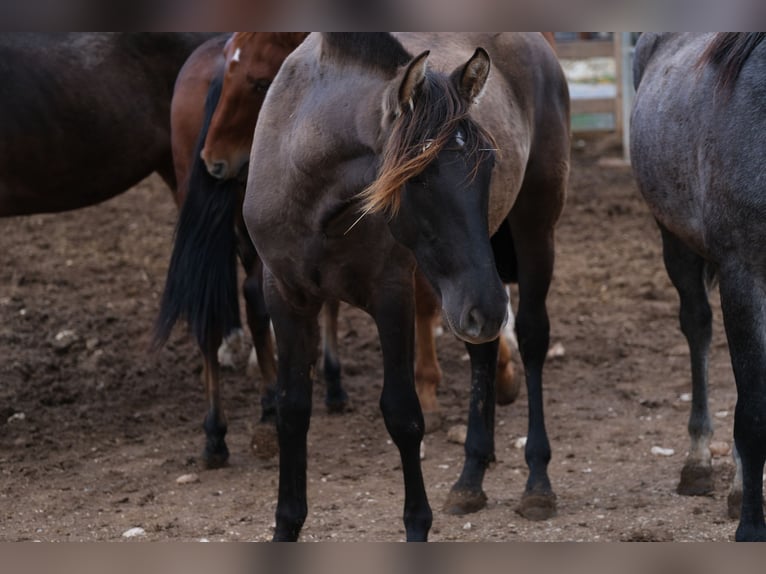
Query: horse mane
(376, 49)
(418, 135)
(728, 52)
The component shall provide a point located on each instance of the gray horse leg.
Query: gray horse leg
(687, 271)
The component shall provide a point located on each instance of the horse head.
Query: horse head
(252, 60)
(434, 184)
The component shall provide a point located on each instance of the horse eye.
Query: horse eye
(259, 85)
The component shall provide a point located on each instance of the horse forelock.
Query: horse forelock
(728, 52)
(417, 136)
(248, 45)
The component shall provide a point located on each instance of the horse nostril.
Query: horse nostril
(474, 323)
(217, 169)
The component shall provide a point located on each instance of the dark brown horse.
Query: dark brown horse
(214, 110)
(375, 153)
(698, 139)
(83, 117)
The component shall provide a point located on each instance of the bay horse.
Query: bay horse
(368, 161)
(85, 116)
(697, 147)
(215, 106)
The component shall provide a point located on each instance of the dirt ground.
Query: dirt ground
(95, 429)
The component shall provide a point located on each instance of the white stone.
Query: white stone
(660, 451)
(134, 532)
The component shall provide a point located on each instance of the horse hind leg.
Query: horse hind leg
(743, 299)
(216, 453)
(428, 374)
(336, 398)
(688, 272)
(507, 385)
(264, 441)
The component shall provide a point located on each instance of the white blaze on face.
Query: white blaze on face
(237, 54)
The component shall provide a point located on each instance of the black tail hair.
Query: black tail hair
(201, 285)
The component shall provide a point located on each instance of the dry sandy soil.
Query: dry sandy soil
(95, 429)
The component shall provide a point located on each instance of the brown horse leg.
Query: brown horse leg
(507, 385)
(264, 441)
(336, 398)
(428, 375)
(216, 453)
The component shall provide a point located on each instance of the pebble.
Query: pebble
(686, 397)
(187, 478)
(556, 351)
(16, 417)
(659, 451)
(722, 414)
(520, 442)
(457, 434)
(422, 450)
(467, 526)
(133, 532)
(64, 340)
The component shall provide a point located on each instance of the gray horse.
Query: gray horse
(698, 139)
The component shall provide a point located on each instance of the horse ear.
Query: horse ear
(412, 80)
(472, 78)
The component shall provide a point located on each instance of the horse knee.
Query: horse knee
(404, 420)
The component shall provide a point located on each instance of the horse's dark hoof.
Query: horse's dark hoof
(734, 504)
(507, 387)
(337, 402)
(537, 505)
(749, 533)
(264, 443)
(696, 480)
(433, 421)
(461, 502)
(215, 459)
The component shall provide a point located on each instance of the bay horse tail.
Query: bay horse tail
(201, 286)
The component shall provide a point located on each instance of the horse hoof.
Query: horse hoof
(507, 388)
(461, 502)
(734, 504)
(218, 459)
(337, 404)
(433, 421)
(264, 443)
(696, 480)
(537, 505)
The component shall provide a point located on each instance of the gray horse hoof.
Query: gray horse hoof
(461, 502)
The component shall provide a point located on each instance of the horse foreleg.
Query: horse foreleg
(336, 399)
(743, 299)
(534, 248)
(394, 316)
(216, 453)
(297, 335)
(428, 375)
(687, 271)
(467, 494)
